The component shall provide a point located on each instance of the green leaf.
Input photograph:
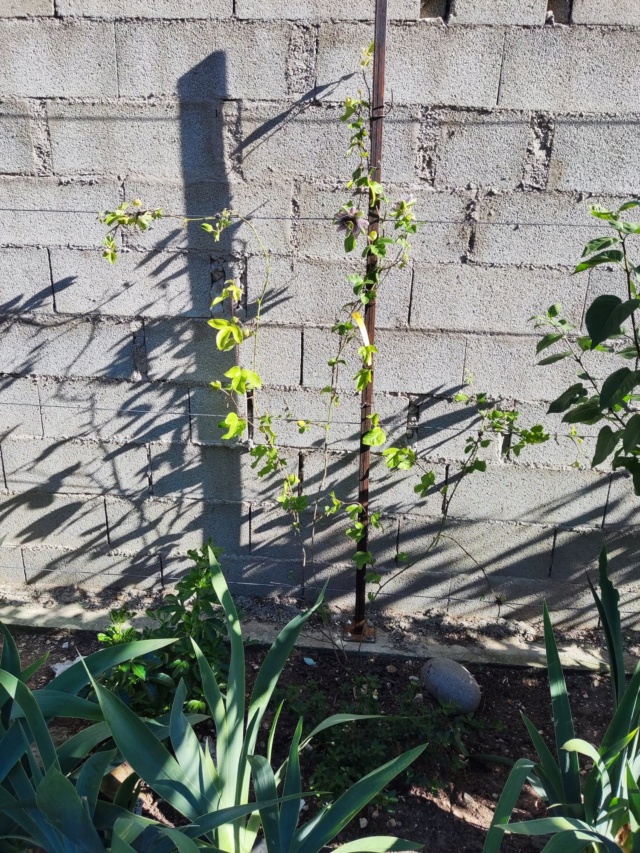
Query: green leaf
(377, 844)
(562, 719)
(568, 398)
(551, 359)
(547, 762)
(506, 804)
(617, 385)
(631, 435)
(585, 413)
(598, 244)
(605, 445)
(605, 315)
(613, 256)
(634, 202)
(548, 340)
(374, 437)
(59, 802)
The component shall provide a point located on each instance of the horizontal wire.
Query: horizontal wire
(514, 224)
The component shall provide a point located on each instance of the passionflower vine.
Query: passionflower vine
(351, 220)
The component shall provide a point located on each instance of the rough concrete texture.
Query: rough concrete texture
(25, 8)
(502, 127)
(528, 12)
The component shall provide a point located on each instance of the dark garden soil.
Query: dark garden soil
(447, 800)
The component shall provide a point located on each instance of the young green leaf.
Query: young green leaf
(605, 445)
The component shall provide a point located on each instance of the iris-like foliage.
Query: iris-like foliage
(600, 811)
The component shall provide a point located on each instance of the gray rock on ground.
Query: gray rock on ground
(451, 684)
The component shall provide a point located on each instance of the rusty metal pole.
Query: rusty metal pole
(359, 630)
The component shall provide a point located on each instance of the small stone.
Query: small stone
(65, 645)
(414, 679)
(391, 822)
(418, 699)
(392, 668)
(451, 684)
(494, 796)
(363, 822)
(375, 813)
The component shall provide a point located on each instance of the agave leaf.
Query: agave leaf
(506, 804)
(547, 761)
(562, 719)
(188, 752)
(54, 703)
(264, 783)
(562, 826)
(625, 718)
(18, 691)
(59, 802)
(609, 611)
(30, 670)
(182, 842)
(91, 775)
(290, 811)
(377, 844)
(10, 658)
(12, 748)
(317, 832)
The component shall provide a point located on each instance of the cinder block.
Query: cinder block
(211, 474)
(52, 212)
(595, 155)
(75, 467)
(407, 362)
(25, 8)
(512, 493)
(527, 13)
(268, 205)
(53, 347)
(126, 411)
(57, 59)
(570, 604)
(443, 234)
(114, 139)
(201, 60)
(338, 473)
(55, 521)
(270, 132)
(361, 10)
(207, 408)
(393, 491)
(623, 506)
(562, 450)
(185, 351)
(572, 69)
(279, 357)
(264, 578)
(506, 367)
(475, 550)
(423, 64)
(92, 572)
(142, 9)
(543, 229)
(302, 292)
(25, 281)
(16, 148)
(19, 408)
(486, 150)
(176, 526)
(620, 14)
(442, 428)
(11, 567)
(144, 284)
(475, 297)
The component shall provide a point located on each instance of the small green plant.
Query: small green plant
(193, 612)
(601, 396)
(214, 795)
(598, 811)
(339, 757)
(50, 795)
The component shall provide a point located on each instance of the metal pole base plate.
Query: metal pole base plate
(361, 633)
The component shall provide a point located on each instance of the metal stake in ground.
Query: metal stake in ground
(358, 630)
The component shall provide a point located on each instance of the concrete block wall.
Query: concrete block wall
(508, 117)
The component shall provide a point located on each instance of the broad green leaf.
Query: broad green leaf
(264, 783)
(599, 244)
(617, 385)
(612, 256)
(609, 611)
(585, 413)
(631, 435)
(374, 437)
(506, 804)
(547, 762)
(605, 445)
(10, 658)
(292, 785)
(551, 359)
(568, 398)
(33, 716)
(604, 316)
(91, 775)
(548, 340)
